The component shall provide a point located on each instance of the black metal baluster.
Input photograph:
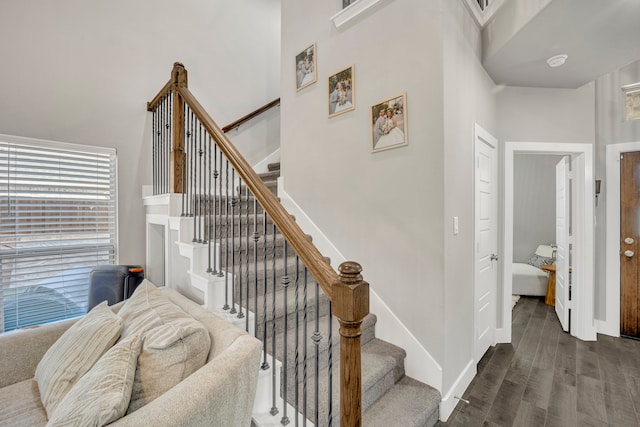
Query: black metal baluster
(161, 146)
(274, 407)
(234, 202)
(201, 191)
(285, 284)
(226, 234)
(184, 161)
(196, 184)
(167, 144)
(256, 238)
(316, 338)
(201, 188)
(207, 229)
(297, 338)
(246, 269)
(214, 206)
(170, 143)
(153, 152)
(330, 367)
(240, 249)
(192, 172)
(304, 350)
(219, 201)
(265, 363)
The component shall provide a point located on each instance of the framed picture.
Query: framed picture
(306, 67)
(341, 92)
(389, 123)
(632, 101)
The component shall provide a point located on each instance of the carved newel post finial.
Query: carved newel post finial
(350, 272)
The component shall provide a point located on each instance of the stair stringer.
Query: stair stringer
(419, 363)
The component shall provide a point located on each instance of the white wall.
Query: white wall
(468, 99)
(547, 115)
(383, 210)
(82, 72)
(534, 203)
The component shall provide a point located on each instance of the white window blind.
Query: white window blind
(57, 222)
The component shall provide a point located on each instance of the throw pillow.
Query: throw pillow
(74, 353)
(537, 260)
(102, 395)
(174, 344)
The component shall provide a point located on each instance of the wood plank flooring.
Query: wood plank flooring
(546, 377)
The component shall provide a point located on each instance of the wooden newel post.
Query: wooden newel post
(351, 305)
(179, 79)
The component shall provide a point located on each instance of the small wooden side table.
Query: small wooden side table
(550, 297)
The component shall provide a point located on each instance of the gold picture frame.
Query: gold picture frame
(341, 92)
(388, 123)
(306, 67)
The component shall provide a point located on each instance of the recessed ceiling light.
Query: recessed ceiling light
(557, 60)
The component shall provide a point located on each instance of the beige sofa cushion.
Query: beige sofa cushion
(20, 405)
(74, 353)
(102, 395)
(174, 344)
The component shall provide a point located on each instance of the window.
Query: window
(57, 221)
(483, 4)
(346, 3)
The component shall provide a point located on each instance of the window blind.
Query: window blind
(57, 222)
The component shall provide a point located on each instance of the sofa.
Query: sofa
(220, 393)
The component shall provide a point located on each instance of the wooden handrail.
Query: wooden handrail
(251, 115)
(320, 269)
(151, 105)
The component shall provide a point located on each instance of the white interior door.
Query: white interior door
(486, 242)
(563, 219)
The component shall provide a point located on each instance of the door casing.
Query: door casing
(583, 270)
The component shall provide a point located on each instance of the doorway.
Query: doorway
(583, 242)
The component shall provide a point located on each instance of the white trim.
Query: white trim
(70, 146)
(611, 324)
(419, 364)
(503, 335)
(584, 324)
(353, 10)
(449, 401)
(263, 165)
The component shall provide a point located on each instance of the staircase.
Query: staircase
(209, 238)
(389, 397)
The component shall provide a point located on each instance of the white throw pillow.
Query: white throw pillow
(102, 395)
(174, 344)
(74, 353)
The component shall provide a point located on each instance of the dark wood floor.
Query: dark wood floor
(546, 377)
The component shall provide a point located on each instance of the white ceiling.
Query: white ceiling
(598, 35)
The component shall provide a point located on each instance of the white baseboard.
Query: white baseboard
(419, 364)
(262, 166)
(449, 400)
(503, 335)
